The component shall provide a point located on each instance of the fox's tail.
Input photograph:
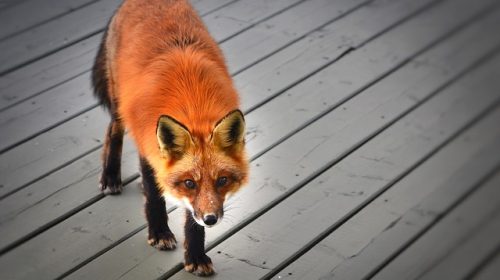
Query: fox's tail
(100, 78)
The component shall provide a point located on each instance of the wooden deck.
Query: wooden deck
(373, 129)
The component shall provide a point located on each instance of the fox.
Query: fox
(163, 79)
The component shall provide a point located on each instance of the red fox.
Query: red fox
(163, 78)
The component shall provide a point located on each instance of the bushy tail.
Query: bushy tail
(100, 76)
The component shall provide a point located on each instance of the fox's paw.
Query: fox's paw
(201, 267)
(163, 241)
(111, 182)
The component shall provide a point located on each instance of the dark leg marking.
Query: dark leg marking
(195, 259)
(111, 158)
(160, 235)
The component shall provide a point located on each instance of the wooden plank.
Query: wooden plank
(273, 34)
(335, 194)
(480, 208)
(295, 63)
(367, 239)
(48, 72)
(114, 215)
(462, 260)
(46, 111)
(56, 34)
(208, 6)
(51, 150)
(241, 15)
(490, 271)
(132, 260)
(20, 162)
(55, 196)
(68, 29)
(6, 4)
(74, 96)
(62, 66)
(378, 58)
(34, 13)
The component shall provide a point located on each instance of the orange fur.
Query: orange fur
(162, 61)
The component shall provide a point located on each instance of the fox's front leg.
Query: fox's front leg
(195, 259)
(160, 235)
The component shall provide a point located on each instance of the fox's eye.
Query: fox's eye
(221, 182)
(190, 184)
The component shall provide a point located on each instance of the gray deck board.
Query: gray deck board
(51, 150)
(470, 216)
(267, 37)
(304, 58)
(490, 271)
(35, 12)
(57, 195)
(365, 241)
(460, 261)
(46, 38)
(48, 72)
(372, 129)
(68, 29)
(442, 57)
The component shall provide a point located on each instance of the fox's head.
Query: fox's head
(201, 171)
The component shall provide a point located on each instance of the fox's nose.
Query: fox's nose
(210, 219)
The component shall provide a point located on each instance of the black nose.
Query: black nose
(210, 220)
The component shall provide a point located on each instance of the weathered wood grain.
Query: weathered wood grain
(53, 35)
(51, 150)
(314, 264)
(153, 263)
(48, 72)
(46, 111)
(56, 195)
(462, 259)
(475, 212)
(89, 20)
(271, 35)
(241, 15)
(104, 221)
(35, 12)
(365, 241)
(208, 6)
(337, 193)
(297, 62)
(490, 271)
(379, 58)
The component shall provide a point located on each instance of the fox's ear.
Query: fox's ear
(229, 132)
(173, 138)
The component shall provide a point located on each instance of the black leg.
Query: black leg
(160, 235)
(112, 154)
(195, 259)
